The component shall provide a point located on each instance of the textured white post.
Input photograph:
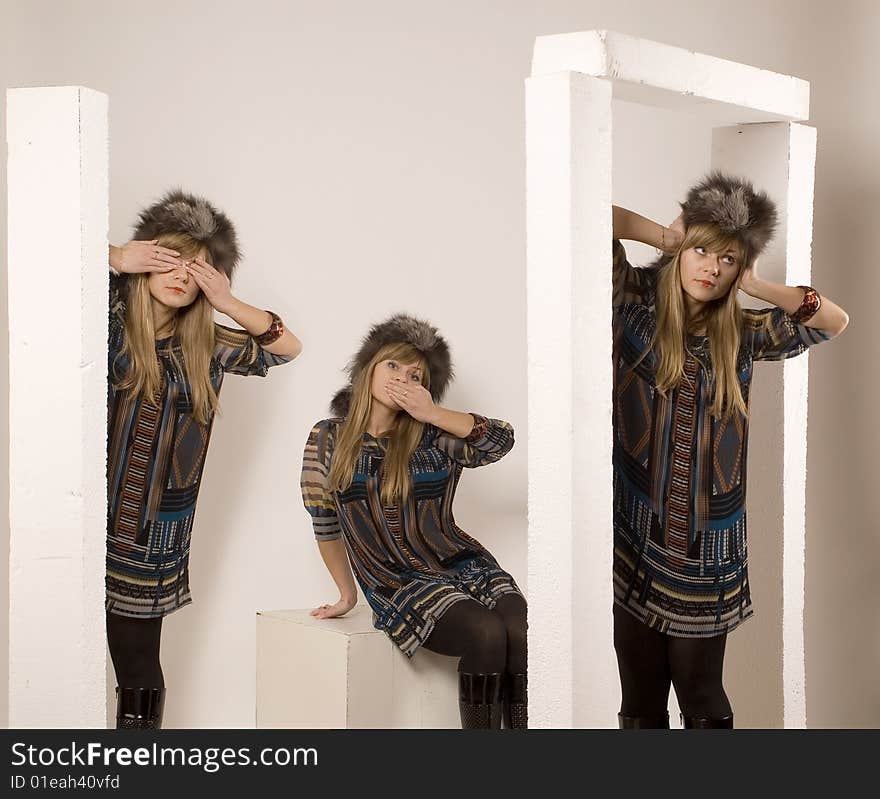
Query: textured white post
(58, 211)
(780, 158)
(572, 677)
(798, 271)
(671, 77)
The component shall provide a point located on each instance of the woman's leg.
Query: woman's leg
(134, 649)
(512, 608)
(697, 666)
(472, 632)
(642, 661)
(476, 635)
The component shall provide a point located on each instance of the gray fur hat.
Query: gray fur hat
(181, 212)
(400, 328)
(735, 207)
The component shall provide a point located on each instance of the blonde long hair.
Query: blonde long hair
(404, 439)
(192, 328)
(722, 319)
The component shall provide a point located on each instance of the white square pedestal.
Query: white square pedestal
(343, 673)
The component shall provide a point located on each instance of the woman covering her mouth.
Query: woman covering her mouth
(683, 358)
(379, 480)
(167, 360)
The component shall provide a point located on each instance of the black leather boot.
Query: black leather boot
(515, 699)
(139, 708)
(702, 723)
(643, 722)
(479, 701)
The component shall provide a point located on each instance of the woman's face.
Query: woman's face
(393, 371)
(707, 275)
(174, 289)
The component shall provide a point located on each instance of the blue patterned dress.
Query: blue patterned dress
(680, 554)
(155, 456)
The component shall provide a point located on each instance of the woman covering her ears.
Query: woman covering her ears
(379, 481)
(167, 360)
(684, 351)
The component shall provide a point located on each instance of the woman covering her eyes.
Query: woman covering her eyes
(683, 357)
(167, 361)
(379, 480)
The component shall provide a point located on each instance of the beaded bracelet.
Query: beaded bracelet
(479, 430)
(273, 333)
(810, 304)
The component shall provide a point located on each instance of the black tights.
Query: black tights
(649, 661)
(134, 648)
(487, 641)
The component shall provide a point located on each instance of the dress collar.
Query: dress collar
(379, 443)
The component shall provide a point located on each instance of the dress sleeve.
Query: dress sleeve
(116, 316)
(630, 284)
(115, 322)
(239, 354)
(489, 441)
(317, 497)
(772, 335)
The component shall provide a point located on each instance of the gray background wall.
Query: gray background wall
(373, 158)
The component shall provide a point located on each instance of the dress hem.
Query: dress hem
(117, 609)
(682, 631)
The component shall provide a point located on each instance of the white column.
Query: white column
(58, 212)
(798, 270)
(568, 147)
(780, 158)
(572, 674)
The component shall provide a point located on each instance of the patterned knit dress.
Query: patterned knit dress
(412, 561)
(680, 555)
(155, 455)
